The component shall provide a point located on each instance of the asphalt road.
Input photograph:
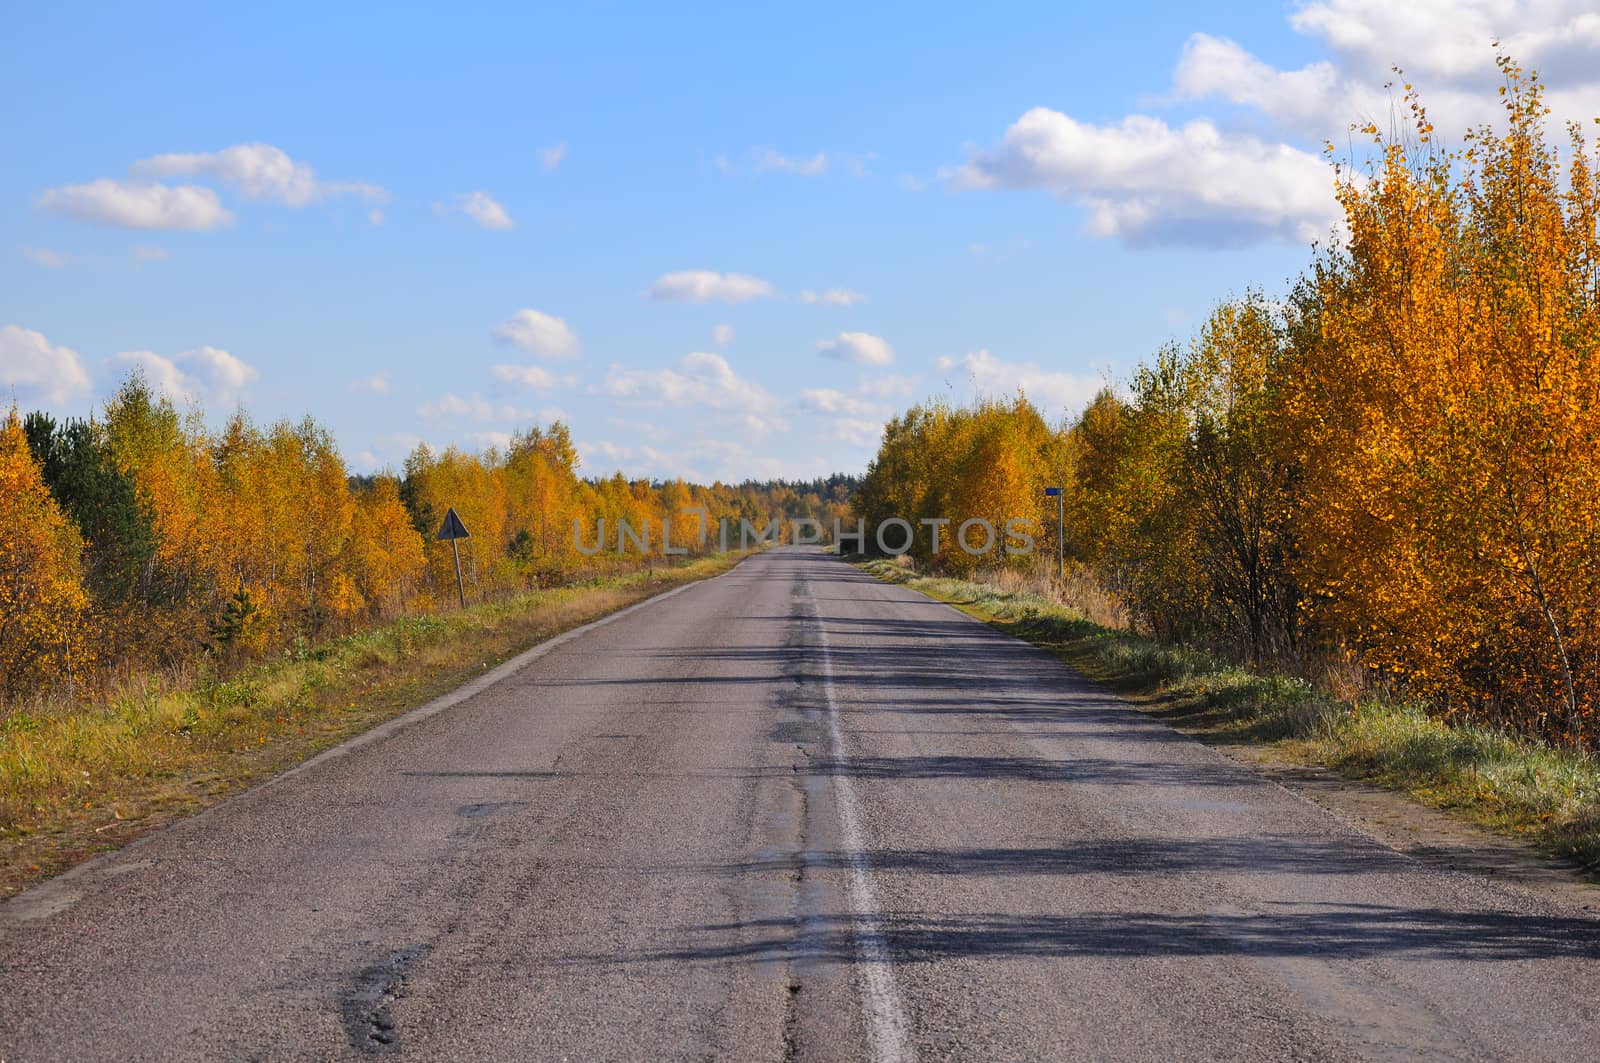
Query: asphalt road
(795, 812)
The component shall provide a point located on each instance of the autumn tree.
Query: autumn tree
(1447, 418)
(148, 442)
(474, 486)
(43, 636)
(384, 556)
(541, 497)
(101, 501)
(1237, 480)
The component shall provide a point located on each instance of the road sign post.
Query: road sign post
(1061, 544)
(453, 529)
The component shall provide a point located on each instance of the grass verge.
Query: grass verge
(1514, 785)
(79, 779)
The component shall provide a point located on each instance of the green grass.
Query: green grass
(80, 777)
(1509, 783)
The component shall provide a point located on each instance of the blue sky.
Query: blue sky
(443, 228)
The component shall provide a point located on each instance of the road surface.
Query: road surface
(789, 812)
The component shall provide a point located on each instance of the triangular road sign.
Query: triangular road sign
(452, 528)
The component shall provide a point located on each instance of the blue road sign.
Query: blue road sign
(1051, 492)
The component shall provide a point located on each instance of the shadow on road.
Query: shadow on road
(1347, 932)
(1125, 856)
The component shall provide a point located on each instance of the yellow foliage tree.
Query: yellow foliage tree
(43, 606)
(1447, 421)
(385, 554)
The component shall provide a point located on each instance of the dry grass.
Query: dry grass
(1081, 591)
(76, 778)
(1512, 784)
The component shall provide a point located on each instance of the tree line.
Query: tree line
(1397, 464)
(142, 538)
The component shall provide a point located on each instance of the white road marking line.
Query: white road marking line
(886, 1022)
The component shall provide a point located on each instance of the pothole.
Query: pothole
(368, 1005)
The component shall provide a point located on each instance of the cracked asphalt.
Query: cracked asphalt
(791, 812)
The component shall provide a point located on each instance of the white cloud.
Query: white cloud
(860, 347)
(36, 370)
(224, 374)
(538, 333)
(722, 335)
(831, 297)
(550, 158)
(890, 386)
(500, 441)
(375, 216)
(481, 208)
(205, 375)
(602, 454)
(857, 419)
(1444, 47)
(701, 285)
(770, 160)
(1216, 66)
(699, 379)
(1450, 39)
(1050, 391)
(450, 406)
(260, 171)
(831, 402)
(163, 375)
(126, 205)
(857, 432)
(43, 256)
(1211, 182)
(649, 430)
(699, 461)
(376, 384)
(531, 376)
(1148, 183)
